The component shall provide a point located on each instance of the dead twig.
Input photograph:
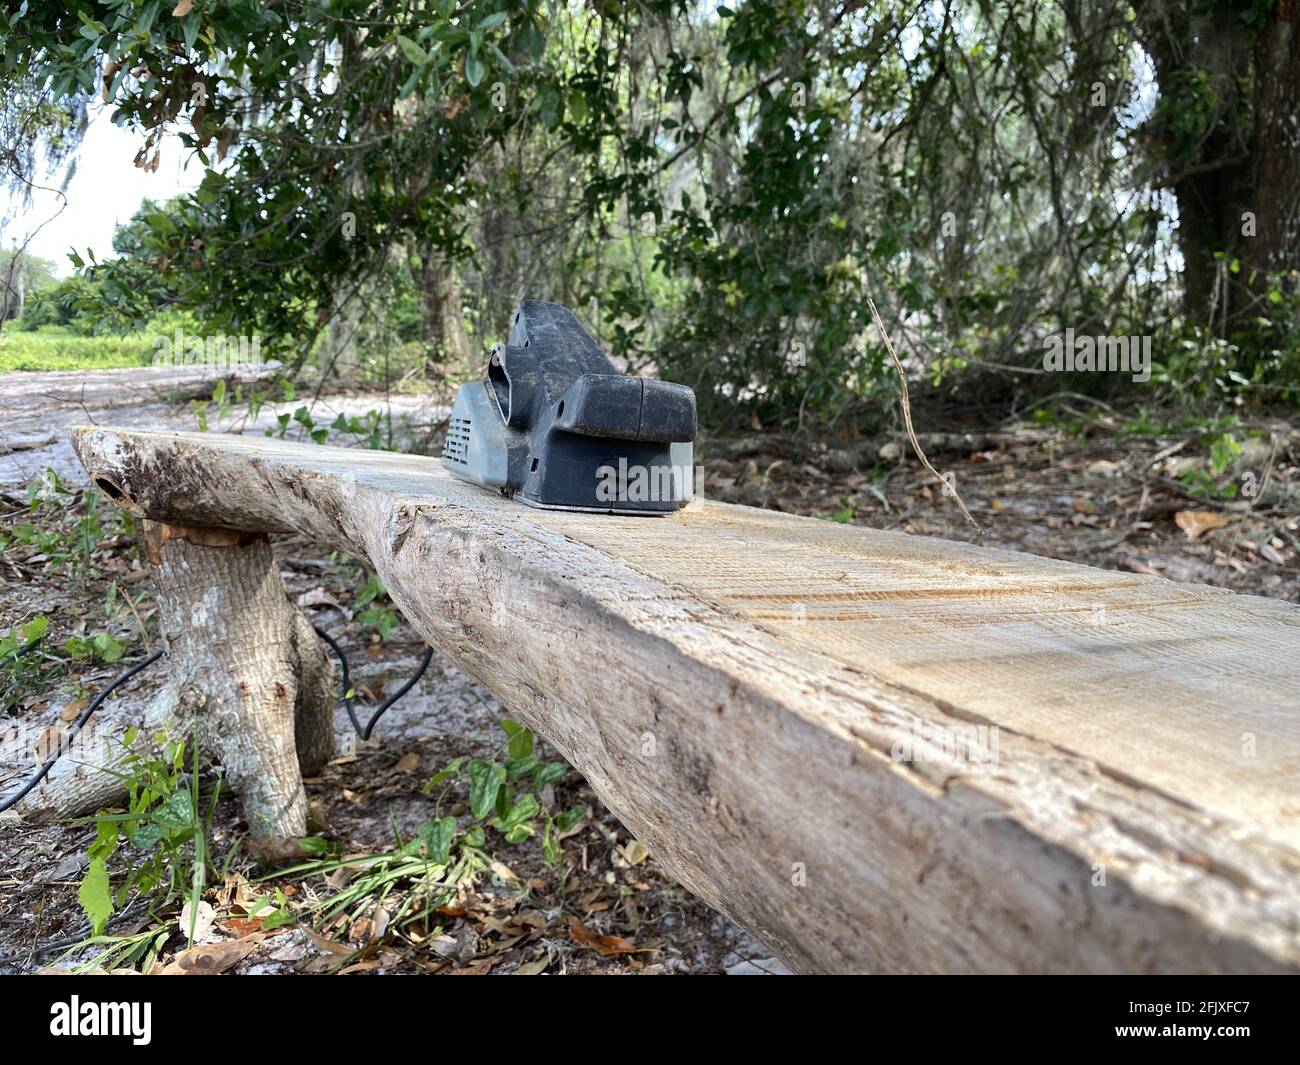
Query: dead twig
(948, 487)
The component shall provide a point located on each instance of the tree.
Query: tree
(1229, 77)
(20, 276)
(718, 189)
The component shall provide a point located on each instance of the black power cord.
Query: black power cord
(77, 726)
(122, 678)
(364, 732)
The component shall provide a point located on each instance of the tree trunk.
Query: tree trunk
(442, 324)
(1227, 124)
(1276, 174)
(1201, 122)
(248, 675)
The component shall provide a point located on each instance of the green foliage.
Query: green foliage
(717, 190)
(65, 526)
(112, 952)
(1252, 367)
(62, 530)
(63, 303)
(102, 647)
(252, 398)
(412, 883)
(53, 348)
(506, 793)
(1212, 481)
(162, 835)
(24, 669)
(373, 429)
(429, 871)
(374, 610)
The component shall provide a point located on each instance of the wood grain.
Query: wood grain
(746, 690)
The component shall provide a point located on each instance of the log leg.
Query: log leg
(248, 675)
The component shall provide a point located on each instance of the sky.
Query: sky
(105, 191)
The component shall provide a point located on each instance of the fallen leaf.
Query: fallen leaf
(635, 852)
(1196, 522)
(320, 597)
(445, 946)
(533, 968)
(407, 762)
(609, 946)
(70, 867)
(291, 951)
(183, 8)
(210, 958)
(1103, 468)
(236, 891)
(318, 818)
(503, 871)
(1272, 554)
(382, 919)
(204, 918)
(328, 945)
(50, 743)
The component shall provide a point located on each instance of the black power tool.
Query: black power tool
(556, 425)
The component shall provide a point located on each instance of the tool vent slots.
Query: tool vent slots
(456, 446)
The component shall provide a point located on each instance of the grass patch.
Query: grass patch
(54, 349)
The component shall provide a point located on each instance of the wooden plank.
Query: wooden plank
(746, 690)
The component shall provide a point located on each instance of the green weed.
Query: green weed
(24, 669)
(163, 833)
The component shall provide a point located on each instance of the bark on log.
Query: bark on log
(247, 676)
(785, 711)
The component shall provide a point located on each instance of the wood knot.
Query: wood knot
(401, 520)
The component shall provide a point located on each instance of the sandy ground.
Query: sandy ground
(40, 408)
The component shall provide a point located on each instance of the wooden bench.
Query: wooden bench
(875, 751)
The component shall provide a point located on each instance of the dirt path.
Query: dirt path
(37, 409)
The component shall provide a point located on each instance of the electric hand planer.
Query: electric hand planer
(555, 425)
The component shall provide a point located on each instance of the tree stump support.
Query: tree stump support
(248, 678)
